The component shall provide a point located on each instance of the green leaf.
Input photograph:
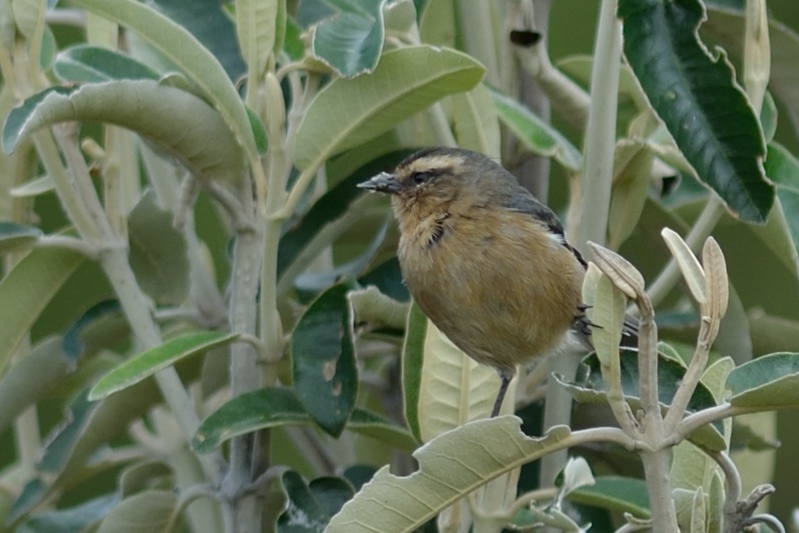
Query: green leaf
(622, 494)
(783, 169)
(92, 64)
(181, 47)
(726, 24)
(350, 41)
(538, 136)
(450, 467)
(211, 26)
(27, 289)
(158, 252)
(31, 379)
(72, 519)
(476, 121)
(329, 207)
(323, 359)
(311, 506)
(273, 407)
(256, 31)
(696, 97)
(176, 120)
(152, 511)
(769, 382)
(412, 364)
(592, 389)
(349, 112)
(60, 446)
(145, 364)
(632, 175)
(14, 236)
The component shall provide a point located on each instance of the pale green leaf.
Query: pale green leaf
(450, 467)
(349, 112)
(181, 47)
(147, 363)
(152, 511)
(27, 289)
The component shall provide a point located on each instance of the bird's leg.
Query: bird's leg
(505, 374)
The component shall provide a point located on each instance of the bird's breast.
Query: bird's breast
(497, 286)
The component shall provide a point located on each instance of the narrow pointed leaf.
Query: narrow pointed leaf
(349, 112)
(323, 359)
(147, 363)
(696, 97)
(178, 121)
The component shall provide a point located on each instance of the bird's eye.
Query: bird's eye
(420, 177)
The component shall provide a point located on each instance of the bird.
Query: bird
(485, 260)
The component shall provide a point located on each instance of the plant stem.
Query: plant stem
(76, 193)
(601, 131)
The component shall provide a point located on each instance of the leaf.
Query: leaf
(351, 40)
(181, 47)
(476, 121)
(726, 24)
(31, 379)
(30, 286)
(329, 207)
(632, 174)
(147, 363)
(94, 64)
(621, 494)
(211, 26)
(323, 359)
(311, 506)
(152, 511)
(157, 253)
(72, 519)
(179, 122)
(14, 236)
(769, 382)
(454, 388)
(450, 466)
(412, 366)
(783, 169)
(349, 112)
(696, 97)
(72, 344)
(255, 28)
(592, 389)
(273, 407)
(538, 136)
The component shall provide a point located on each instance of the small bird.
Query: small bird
(484, 259)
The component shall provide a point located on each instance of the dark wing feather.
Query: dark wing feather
(524, 202)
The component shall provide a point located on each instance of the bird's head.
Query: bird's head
(433, 178)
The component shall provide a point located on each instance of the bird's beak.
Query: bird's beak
(383, 182)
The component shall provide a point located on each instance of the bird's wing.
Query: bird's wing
(524, 202)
